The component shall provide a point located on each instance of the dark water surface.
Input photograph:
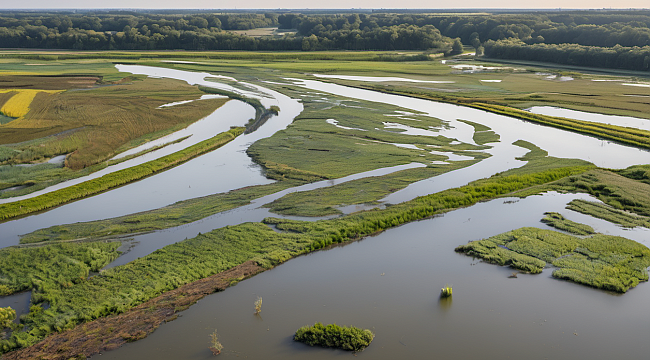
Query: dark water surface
(390, 284)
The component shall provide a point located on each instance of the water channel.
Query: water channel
(390, 282)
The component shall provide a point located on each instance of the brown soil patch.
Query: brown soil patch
(112, 332)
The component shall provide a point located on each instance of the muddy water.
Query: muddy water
(390, 284)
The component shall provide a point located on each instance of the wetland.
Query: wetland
(346, 205)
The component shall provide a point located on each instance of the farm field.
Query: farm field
(403, 161)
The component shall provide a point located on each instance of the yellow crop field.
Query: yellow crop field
(18, 105)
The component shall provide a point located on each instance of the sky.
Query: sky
(321, 4)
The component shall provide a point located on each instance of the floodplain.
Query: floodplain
(374, 180)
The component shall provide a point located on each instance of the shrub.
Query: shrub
(332, 335)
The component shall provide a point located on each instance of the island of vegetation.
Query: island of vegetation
(335, 336)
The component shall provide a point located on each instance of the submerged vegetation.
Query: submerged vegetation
(335, 336)
(215, 344)
(601, 261)
(112, 180)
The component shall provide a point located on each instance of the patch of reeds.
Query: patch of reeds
(558, 221)
(446, 291)
(602, 261)
(335, 336)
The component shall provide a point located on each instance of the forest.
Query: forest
(611, 39)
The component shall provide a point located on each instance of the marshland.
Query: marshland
(342, 187)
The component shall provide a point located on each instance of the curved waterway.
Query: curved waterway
(557, 142)
(232, 113)
(390, 284)
(222, 170)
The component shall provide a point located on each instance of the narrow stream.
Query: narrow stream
(627, 121)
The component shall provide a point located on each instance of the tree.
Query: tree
(457, 47)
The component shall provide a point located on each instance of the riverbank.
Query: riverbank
(113, 180)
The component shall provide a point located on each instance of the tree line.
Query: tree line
(202, 32)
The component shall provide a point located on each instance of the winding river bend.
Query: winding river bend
(388, 283)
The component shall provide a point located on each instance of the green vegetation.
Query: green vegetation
(182, 212)
(482, 133)
(332, 335)
(637, 172)
(118, 289)
(76, 122)
(52, 266)
(615, 190)
(558, 221)
(446, 291)
(311, 149)
(606, 212)
(324, 201)
(357, 225)
(112, 180)
(258, 305)
(215, 344)
(7, 316)
(601, 261)
(625, 135)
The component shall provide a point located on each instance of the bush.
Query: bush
(332, 335)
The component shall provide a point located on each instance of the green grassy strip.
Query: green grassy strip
(177, 214)
(608, 213)
(558, 221)
(118, 289)
(54, 265)
(601, 261)
(335, 336)
(630, 136)
(112, 180)
(369, 222)
(324, 201)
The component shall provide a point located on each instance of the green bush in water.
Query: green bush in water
(332, 335)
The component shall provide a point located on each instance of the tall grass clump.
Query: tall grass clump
(215, 344)
(446, 291)
(335, 336)
(258, 305)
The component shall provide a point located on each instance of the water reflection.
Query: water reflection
(490, 316)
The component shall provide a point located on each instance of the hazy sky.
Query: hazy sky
(321, 4)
